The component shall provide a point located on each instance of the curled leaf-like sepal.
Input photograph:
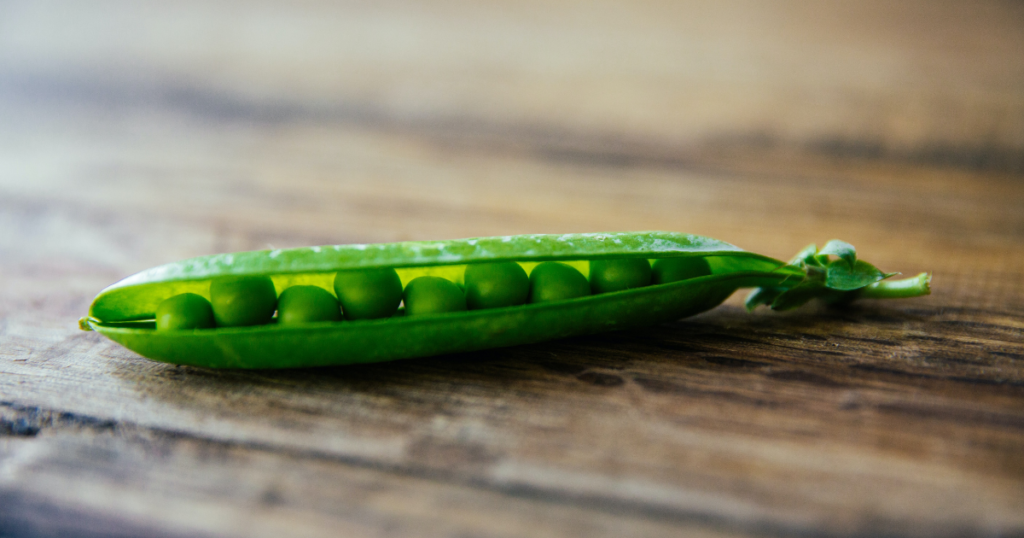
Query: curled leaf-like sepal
(842, 249)
(799, 295)
(805, 257)
(762, 296)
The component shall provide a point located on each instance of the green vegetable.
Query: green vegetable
(668, 270)
(372, 275)
(184, 311)
(553, 281)
(307, 304)
(243, 300)
(433, 295)
(617, 275)
(368, 293)
(494, 285)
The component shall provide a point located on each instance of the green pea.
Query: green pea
(667, 270)
(494, 285)
(368, 293)
(617, 275)
(433, 295)
(240, 301)
(307, 304)
(553, 281)
(183, 312)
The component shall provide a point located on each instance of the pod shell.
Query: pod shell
(116, 310)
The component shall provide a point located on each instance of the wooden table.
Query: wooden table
(137, 133)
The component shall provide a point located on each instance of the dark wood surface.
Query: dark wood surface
(137, 133)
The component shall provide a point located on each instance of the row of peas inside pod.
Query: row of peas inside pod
(378, 293)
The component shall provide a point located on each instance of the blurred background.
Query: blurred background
(241, 124)
(135, 133)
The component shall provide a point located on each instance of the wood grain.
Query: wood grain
(143, 133)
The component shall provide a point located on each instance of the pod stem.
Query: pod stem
(899, 289)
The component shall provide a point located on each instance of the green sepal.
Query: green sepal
(762, 296)
(842, 276)
(841, 249)
(799, 295)
(805, 256)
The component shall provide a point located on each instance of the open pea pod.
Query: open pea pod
(124, 312)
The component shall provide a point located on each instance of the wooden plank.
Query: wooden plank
(118, 479)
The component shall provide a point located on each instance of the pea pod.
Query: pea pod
(124, 312)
